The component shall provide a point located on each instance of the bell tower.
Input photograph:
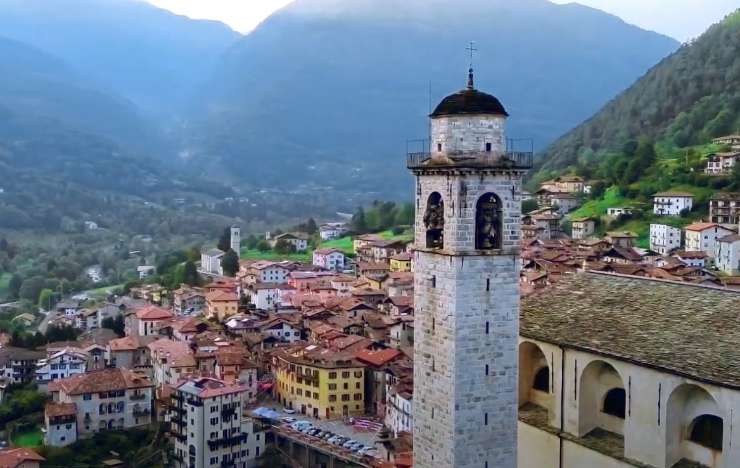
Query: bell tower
(466, 286)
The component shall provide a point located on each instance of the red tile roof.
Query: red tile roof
(152, 312)
(221, 296)
(60, 409)
(100, 381)
(377, 358)
(12, 458)
(701, 226)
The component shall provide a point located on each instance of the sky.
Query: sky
(680, 19)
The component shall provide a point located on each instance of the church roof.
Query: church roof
(678, 328)
(469, 101)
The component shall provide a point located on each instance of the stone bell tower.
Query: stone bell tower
(466, 286)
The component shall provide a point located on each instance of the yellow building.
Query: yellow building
(319, 382)
(221, 305)
(401, 262)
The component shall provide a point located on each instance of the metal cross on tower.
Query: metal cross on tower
(471, 48)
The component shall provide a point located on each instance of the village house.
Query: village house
(721, 164)
(727, 254)
(268, 296)
(329, 231)
(188, 300)
(581, 228)
(696, 259)
(282, 329)
(672, 203)
(733, 141)
(209, 427)
(702, 237)
(724, 208)
(146, 271)
(664, 239)
(110, 399)
(18, 365)
(401, 262)
(264, 271)
(147, 320)
(171, 361)
(585, 391)
(298, 240)
(129, 351)
(615, 212)
(221, 305)
(550, 222)
(319, 382)
(623, 239)
(567, 184)
(566, 202)
(362, 241)
(329, 259)
(60, 365)
(399, 405)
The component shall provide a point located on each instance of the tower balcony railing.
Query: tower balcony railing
(508, 159)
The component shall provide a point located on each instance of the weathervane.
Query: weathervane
(471, 48)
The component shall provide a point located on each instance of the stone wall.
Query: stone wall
(468, 133)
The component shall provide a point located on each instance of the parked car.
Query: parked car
(288, 420)
(288, 411)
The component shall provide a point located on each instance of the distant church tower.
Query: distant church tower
(466, 286)
(236, 240)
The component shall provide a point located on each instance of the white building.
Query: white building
(109, 399)
(60, 365)
(281, 329)
(209, 427)
(399, 407)
(702, 237)
(618, 211)
(696, 259)
(329, 259)
(672, 203)
(721, 163)
(727, 254)
(149, 318)
(267, 296)
(210, 261)
(638, 381)
(265, 271)
(664, 239)
(145, 271)
(331, 231)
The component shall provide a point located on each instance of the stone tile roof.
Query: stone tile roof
(683, 329)
(13, 458)
(53, 409)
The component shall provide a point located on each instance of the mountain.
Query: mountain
(37, 85)
(148, 55)
(687, 99)
(325, 93)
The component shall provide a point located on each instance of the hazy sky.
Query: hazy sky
(681, 19)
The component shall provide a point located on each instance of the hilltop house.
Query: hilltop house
(581, 228)
(329, 259)
(664, 239)
(720, 164)
(329, 231)
(724, 208)
(702, 237)
(672, 203)
(727, 254)
(210, 261)
(298, 240)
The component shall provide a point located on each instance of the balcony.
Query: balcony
(507, 160)
(141, 412)
(138, 396)
(227, 441)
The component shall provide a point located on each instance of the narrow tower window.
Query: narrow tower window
(488, 224)
(439, 147)
(488, 327)
(488, 147)
(434, 281)
(488, 284)
(485, 419)
(434, 221)
(486, 369)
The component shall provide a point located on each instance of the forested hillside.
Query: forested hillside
(685, 100)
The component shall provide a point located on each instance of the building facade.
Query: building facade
(672, 203)
(727, 254)
(724, 208)
(664, 239)
(466, 286)
(209, 426)
(702, 237)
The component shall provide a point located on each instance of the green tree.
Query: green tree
(529, 205)
(252, 242)
(31, 288)
(282, 246)
(311, 226)
(190, 274)
(230, 263)
(114, 323)
(359, 223)
(224, 242)
(14, 286)
(46, 299)
(263, 245)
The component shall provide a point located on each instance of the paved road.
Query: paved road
(336, 426)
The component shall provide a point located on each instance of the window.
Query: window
(488, 147)
(439, 147)
(332, 398)
(358, 374)
(358, 396)
(332, 375)
(345, 374)
(332, 386)
(345, 397)
(488, 222)
(707, 430)
(434, 221)
(615, 402)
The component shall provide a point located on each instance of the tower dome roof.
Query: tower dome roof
(469, 101)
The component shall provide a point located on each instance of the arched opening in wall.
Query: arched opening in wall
(601, 403)
(434, 221)
(615, 402)
(694, 427)
(535, 397)
(488, 222)
(707, 430)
